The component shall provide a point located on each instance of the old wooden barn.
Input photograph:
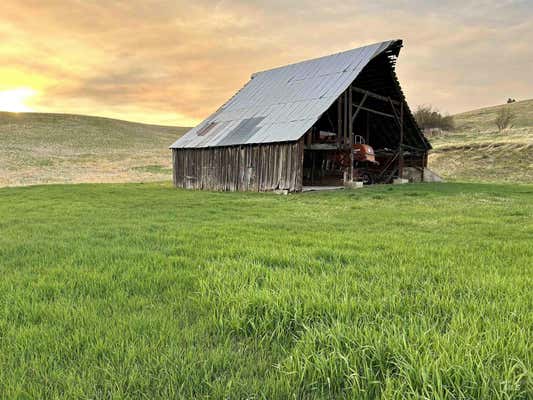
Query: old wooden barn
(328, 121)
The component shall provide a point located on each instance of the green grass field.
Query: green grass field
(144, 291)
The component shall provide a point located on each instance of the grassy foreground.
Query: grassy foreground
(143, 291)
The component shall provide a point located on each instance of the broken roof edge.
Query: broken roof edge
(390, 44)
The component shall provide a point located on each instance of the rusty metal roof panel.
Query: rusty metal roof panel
(281, 104)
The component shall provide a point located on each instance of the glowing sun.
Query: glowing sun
(15, 100)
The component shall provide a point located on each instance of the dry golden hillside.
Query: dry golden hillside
(477, 151)
(59, 148)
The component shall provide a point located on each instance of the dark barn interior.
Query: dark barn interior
(380, 118)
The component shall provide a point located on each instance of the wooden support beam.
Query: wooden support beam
(350, 116)
(309, 137)
(354, 116)
(396, 116)
(345, 119)
(400, 161)
(399, 121)
(377, 112)
(313, 156)
(416, 149)
(367, 128)
(374, 95)
(339, 121)
(386, 168)
(350, 131)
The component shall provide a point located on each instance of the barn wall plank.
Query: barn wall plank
(263, 167)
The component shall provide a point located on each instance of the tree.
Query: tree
(429, 118)
(504, 118)
(510, 100)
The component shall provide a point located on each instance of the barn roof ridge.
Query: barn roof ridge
(296, 63)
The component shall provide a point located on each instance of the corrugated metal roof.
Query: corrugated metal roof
(281, 104)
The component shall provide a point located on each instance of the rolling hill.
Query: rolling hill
(476, 151)
(40, 148)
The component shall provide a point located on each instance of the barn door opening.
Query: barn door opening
(360, 138)
(327, 157)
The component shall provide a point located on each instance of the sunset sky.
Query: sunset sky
(174, 62)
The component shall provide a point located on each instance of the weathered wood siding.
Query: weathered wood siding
(262, 167)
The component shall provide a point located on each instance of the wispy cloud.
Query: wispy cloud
(177, 61)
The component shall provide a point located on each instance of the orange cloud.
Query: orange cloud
(175, 62)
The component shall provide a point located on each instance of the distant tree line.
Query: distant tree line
(429, 119)
(432, 121)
